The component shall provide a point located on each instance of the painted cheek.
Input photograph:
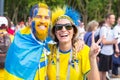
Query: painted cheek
(48, 23)
(37, 23)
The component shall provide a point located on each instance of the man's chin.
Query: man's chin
(42, 35)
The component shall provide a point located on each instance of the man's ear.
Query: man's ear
(30, 20)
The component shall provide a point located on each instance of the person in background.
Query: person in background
(105, 56)
(81, 29)
(116, 55)
(5, 42)
(101, 23)
(27, 56)
(91, 26)
(11, 31)
(64, 63)
(19, 26)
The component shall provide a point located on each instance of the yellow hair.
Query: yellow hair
(57, 13)
(43, 5)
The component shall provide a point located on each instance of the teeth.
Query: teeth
(42, 27)
(64, 35)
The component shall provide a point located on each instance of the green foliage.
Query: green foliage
(18, 10)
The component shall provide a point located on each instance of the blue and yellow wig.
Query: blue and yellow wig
(65, 13)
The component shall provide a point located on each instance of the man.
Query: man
(5, 42)
(81, 29)
(116, 56)
(108, 40)
(26, 58)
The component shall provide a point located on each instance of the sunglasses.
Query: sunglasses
(60, 26)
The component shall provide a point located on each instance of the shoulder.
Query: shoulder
(25, 30)
(103, 27)
(116, 27)
(87, 34)
(84, 51)
(85, 48)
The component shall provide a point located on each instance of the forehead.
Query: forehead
(41, 11)
(63, 21)
(112, 16)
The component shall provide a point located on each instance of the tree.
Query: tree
(18, 10)
(94, 9)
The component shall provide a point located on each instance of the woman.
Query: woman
(64, 63)
(91, 26)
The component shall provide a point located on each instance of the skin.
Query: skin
(42, 21)
(69, 34)
(65, 43)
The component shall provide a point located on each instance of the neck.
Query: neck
(65, 46)
(40, 37)
(108, 24)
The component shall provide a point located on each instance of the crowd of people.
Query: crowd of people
(66, 50)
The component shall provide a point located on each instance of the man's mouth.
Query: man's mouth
(42, 27)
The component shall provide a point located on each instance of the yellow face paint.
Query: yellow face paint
(42, 21)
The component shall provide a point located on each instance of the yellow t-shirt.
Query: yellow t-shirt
(76, 73)
(41, 74)
(2, 74)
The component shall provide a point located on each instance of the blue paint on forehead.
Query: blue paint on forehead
(35, 11)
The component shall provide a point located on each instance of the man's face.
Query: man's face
(42, 21)
(112, 19)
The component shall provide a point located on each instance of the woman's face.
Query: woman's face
(64, 31)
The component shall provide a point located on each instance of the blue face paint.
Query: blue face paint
(35, 12)
(33, 27)
(49, 13)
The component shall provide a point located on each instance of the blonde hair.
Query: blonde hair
(39, 5)
(92, 25)
(43, 5)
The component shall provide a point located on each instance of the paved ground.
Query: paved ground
(113, 78)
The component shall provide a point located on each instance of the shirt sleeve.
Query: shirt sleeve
(103, 32)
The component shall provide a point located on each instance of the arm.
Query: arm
(94, 50)
(106, 42)
(94, 73)
(116, 48)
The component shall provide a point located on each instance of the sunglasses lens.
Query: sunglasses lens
(68, 27)
(60, 26)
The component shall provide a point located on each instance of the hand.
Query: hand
(115, 41)
(95, 48)
(117, 50)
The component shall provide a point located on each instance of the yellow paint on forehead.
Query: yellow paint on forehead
(43, 12)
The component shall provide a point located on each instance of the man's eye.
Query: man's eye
(47, 17)
(38, 16)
